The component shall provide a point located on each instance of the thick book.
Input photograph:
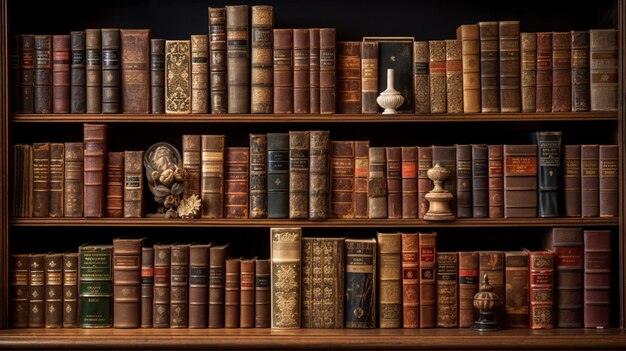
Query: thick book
(283, 70)
(27, 73)
(590, 180)
(544, 72)
(361, 172)
(78, 75)
(541, 265)
(161, 293)
(377, 183)
(509, 52)
(277, 175)
(43, 74)
(299, 142)
(73, 180)
(147, 286)
(389, 280)
(258, 176)
(36, 291)
(157, 76)
(549, 172)
(212, 176)
(236, 182)
(111, 70)
(314, 70)
(580, 71)
(369, 77)
(198, 285)
(133, 184)
(603, 67)
(496, 181)
(447, 290)
(217, 281)
(327, 69)
(424, 184)
(520, 181)
(95, 286)
(262, 293)
(61, 60)
(409, 182)
(177, 76)
(246, 294)
(609, 180)
(115, 185)
(489, 67)
(410, 280)
(468, 287)
(70, 290)
(470, 52)
(286, 270)
(127, 283)
(516, 304)
(454, 76)
(421, 80)
(394, 182)
(232, 293)
(597, 280)
(349, 77)
(445, 156)
(480, 181)
(57, 175)
(301, 74)
(571, 180)
(360, 283)
(437, 76)
(54, 290)
(93, 70)
(217, 60)
(95, 143)
(192, 163)
(528, 47)
(179, 286)
(200, 74)
(262, 25)
(342, 179)
(19, 291)
(238, 58)
(463, 181)
(491, 263)
(41, 179)
(319, 171)
(561, 72)
(427, 278)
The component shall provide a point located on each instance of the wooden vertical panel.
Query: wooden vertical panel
(4, 140)
(620, 140)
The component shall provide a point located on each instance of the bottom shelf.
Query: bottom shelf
(387, 339)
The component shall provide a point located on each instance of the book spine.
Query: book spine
(445, 156)
(41, 179)
(544, 72)
(110, 70)
(192, 163)
(409, 182)
(127, 283)
(232, 293)
(212, 186)
(509, 52)
(115, 185)
(421, 81)
(489, 67)
(258, 176)
(549, 152)
(390, 280)
(342, 179)
(496, 181)
(277, 175)
(57, 175)
(217, 279)
(427, 289)
(447, 290)
(42, 74)
(580, 71)
(198, 286)
(377, 183)
(454, 76)
(95, 142)
(369, 77)
(314, 70)
(61, 60)
(590, 180)
(410, 280)
(541, 290)
(261, 97)
(78, 91)
(480, 181)
(394, 182)
(36, 291)
(424, 184)
(438, 80)
(561, 72)
(301, 75)
(283, 71)
(161, 292)
(327, 71)
(179, 286)
(27, 74)
(238, 58)
(70, 290)
(54, 290)
(603, 68)
(516, 304)
(199, 74)
(246, 298)
(360, 307)
(95, 287)
(178, 76)
(286, 269)
(349, 77)
(597, 281)
(236, 182)
(299, 174)
(319, 174)
(262, 296)
(571, 180)
(529, 71)
(468, 287)
(520, 181)
(133, 184)
(73, 180)
(491, 263)
(147, 286)
(19, 291)
(93, 70)
(15, 73)
(361, 171)
(470, 51)
(157, 76)
(609, 180)
(217, 60)
(464, 180)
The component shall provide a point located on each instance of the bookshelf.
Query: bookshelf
(423, 20)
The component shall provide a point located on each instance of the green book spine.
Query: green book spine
(95, 287)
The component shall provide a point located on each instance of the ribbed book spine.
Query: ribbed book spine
(61, 60)
(464, 180)
(544, 72)
(54, 290)
(597, 281)
(57, 175)
(410, 280)
(115, 185)
(390, 280)
(516, 304)
(236, 181)
(437, 71)
(409, 182)
(561, 72)
(360, 307)
(286, 270)
(78, 93)
(394, 182)
(111, 70)
(314, 70)
(580, 71)
(277, 175)
(41, 179)
(603, 67)
(95, 142)
(454, 76)
(212, 182)
(369, 77)
(468, 287)
(94, 70)
(27, 74)
(238, 58)
(198, 286)
(199, 74)
(217, 282)
(192, 163)
(447, 290)
(36, 291)
(489, 67)
(177, 76)
(283, 70)
(470, 51)
(609, 180)
(480, 181)
(70, 290)
(327, 71)
(528, 49)
(549, 172)
(19, 291)
(509, 51)
(590, 180)
(541, 266)
(157, 76)
(427, 289)
(520, 181)
(73, 187)
(127, 283)
(42, 74)
(262, 314)
(147, 286)
(133, 184)
(246, 297)
(217, 60)
(361, 172)
(15, 73)
(349, 77)
(161, 292)
(179, 286)
(299, 142)
(571, 180)
(261, 97)
(377, 183)
(301, 75)
(258, 176)
(232, 294)
(319, 171)
(496, 181)
(342, 179)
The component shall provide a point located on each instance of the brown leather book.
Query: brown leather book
(597, 296)
(286, 270)
(349, 77)
(314, 70)
(480, 181)
(262, 294)
(93, 68)
(161, 294)
(319, 180)
(236, 182)
(27, 75)
(609, 181)
(135, 48)
(394, 182)
(561, 72)
(61, 74)
(178, 76)
(509, 51)
(361, 172)
(19, 291)
(369, 77)
(541, 289)
(529, 71)
(580, 71)
(301, 75)
(447, 290)
(377, 183)
(42, 74)
(389, 280)
(464, 181)
(70, 290)
(427, 289)
(57, 175)
(212, 181)
(41, 179)
(217, 279)
(258, 176)
(54, 290)
(342, 179)
(445, 156)
(73, 180)
(360, 283)
(571, 180)
(95, 143)
(516, 305)
(36, 291)
(496, 181)
(410, 280)
(489, 67)
(157, 76)
(520, 181)
(179, 286)
(198, 285)
(78, 93)
(327, 71)
(603, 68)
(232, 293)
(22, 181)
(470, 51)
(111, 70)
(200, 74)
(261, 79)
(299, 142)
(238, 58)
(454, 76)
(409, 182)
(438, 80)
(127, 283)
(115, 185)
(590, 180)
(468, 287)
(14, 73)
(424, 185)
(544, 72)
(133, 184)
(217, 60)
(246, 297)
(491, 263)
(283, 70)
(192, 163)
(421, 84)
(147, 286)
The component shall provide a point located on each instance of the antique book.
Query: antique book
(93, 70)
(410, 280)
(78, 79)
(489, 67)
(496, 181)
(377, 183)
(14, 73)
(57, 175)
(409, 182)
(157, 76)
(54, 290)
(95, 286)
(609, 180)
(277, 175)
(561, 72)
(323, 283)
(61, 60)
(73, 180)
(580, 71)
(42, 93)
(133, 184)
(438, 80)
(369, 77)
(232, 293)
(36, 291)
(389, 280)
(22, 182)
(110, 70)
(327, 70)
(541, 266)
(603, 67)
(447, 290)
(177, 76)
(301, 75)
(262, 294)
(236, 182)
(571, 180)
(258, 175)
(27, 74)
(238, 58)
(70, 290)
(361, 172)
(468, 287)
(427, 288)
(491, 263)
(421, 84)
(445, 156)
(314, 70)
(286, 269)
(597, 280)
(135, 67)
(283, 71)
(246, 297)
(349, 77)
(161, 292)
(198, 285)
(360, 283)
(544, 72)
(528, 71)
(95, 143)
(192, 163)
(115, 185)
(179, 286)
(127, 283)
(590, 180)
(18, 302)
(470, 51)
(200, 74)
(147, 286)
(464, 181)
(342, 179)
(549, 172)
(516, 304)
(41, 179)
(454, 76)
(509, 52)
(424, 184)
(299, 142)
(217, 279)
(480, 181)
(217, 60)
(319, 169)
(212, 176)
(520, 181)
(394, 182)
(261, 78)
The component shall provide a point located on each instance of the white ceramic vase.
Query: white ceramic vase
(390, 99)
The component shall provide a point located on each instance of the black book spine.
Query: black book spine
(549, 172)
(277, 175)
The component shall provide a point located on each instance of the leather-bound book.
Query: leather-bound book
(489, 67)
(286, 269)
(445, 156)
(22, 182)
(427, 289)
(410, 280)
(95, 143)
(299, 174)
(212, 181)
(192, 163)
(301, 75)
(327, 71)
(262, 294)
(231, 297)
(567, 245)
(424, 185)
(200, 74)
(41, 179)
(571, 180)
(277, 175)
(147, 286)
(135, 48)
(590, 180)
(42, 74)
(470, 51)
(609, 181)
(127, 283)
(361, 172)
(369, 77)
(438, 80)
(597, 270)
(480, 181)
(19, 291)
(360, 283)
(541, 289)
(161, 292)
(217, 60)
(520, 181)
(198, 285)
(549, 172)
(409, 182)
(464, 180)
(421, 84)
(95, 286)
(377, 183)
(177, 76)
(509, 51)
(561, 72)
(238, 58)
(580, 71)
(447, 290)
(54, 290)
(349, 77)
(283, 71)
(93, 70)
(491, 263)
(36, 291)
(314, 70)
(603, 68)
(27, 74)
(237, 182)
(261, 78)
(454, 76)
(323, 283)
(394, 182)
(57, 175)
(157, 76)
(389, 280)
(544, 72)
(14, 72)
(246, 297)
(133, 184)
(468, 287)
(217, 279)
(258, 176)
(342, 179)
(78, 90)
(73, 180)
(496, 181)
(516, 304)
(529, 71)
(115, 185)
(179, 286)
(319, 181)
(111, 70)
(70, 290)
(61, 60)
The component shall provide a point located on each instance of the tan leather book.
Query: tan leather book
(410, 280)
(212, 181)
(301, 75)
(286, 270)
(447, 290)
(561, 72)
(161, 303)
(361, 172)
(19, 291)
(73, 180)
(246, 297)
(427, 289)
(198, 285)
(262, 294)
(261, 78)
(528, 42)
(590, 180)
(491, 263)
(57, 175)
(283, 71)
(54, 290)
(544, 72)
(115, 184)
(192, 163)
(516, 301)
(61, 60)
(349, 77)
(369, 77)
(135, 48)
(454, 76)
(377, 183)
(571, 180)
(41, 179)
(200, 74)
(232, 293)
(389, 279)
(157, 76)
(421, 82)
(603, 67)
(424, 185)
(609, 181)
(327, 71)
(258, 176)
(299, 142)
(93, 70)
(394, 182)
(470, 51)
(217, 279)
(111, 70)
(489, 67)
(133, 184)
(509, 51)
(147, 286)
(314, 70)
(127, 283)
(179, 286)
(95, 143)
(70, 290)
(520, 181)
(319, 170)
(238, 58)
(236, 182)
(42, 74)
(342, 179)
(177, 76)
(496, 180)
(580, 71)
(36, 291)
(468, 287)
(438, 80)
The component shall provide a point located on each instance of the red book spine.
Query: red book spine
(409, 182)
(394, 182)
(410, 280)
(496, 182)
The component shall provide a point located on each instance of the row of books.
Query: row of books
(315, 283)
(245, 66)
